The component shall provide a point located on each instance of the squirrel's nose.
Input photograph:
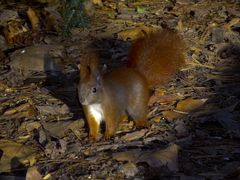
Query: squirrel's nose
(83, 101)
(80, 99)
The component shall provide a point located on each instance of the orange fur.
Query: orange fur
(93, 126)
(124, 92)
(157, 56)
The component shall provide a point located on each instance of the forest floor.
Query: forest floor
(194, 120)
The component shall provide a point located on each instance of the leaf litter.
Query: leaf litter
(194, 119)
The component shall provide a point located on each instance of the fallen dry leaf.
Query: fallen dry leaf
(229, 122)
(171, 115)
(233, 22)
(59, 129)
(33, 174)
(97, 2)
(10, 112)
(76, 127)
(48, 176)
(129, 156)
(29, 127)
(13, 30)
(53, 19)
(162, 98)
(165, 157)
(7, 15)
(135, 135)
(35, 59)
(15, 154)
(3, 86)
(26, 110)
(136, 33)
(183, 107)
(33, 19)
(190, 104)
(53, 110)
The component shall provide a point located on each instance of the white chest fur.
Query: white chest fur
(97, 112)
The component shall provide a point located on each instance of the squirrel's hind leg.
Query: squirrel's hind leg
(139, 116)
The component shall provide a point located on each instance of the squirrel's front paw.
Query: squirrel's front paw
(91, 139)
(108, 135)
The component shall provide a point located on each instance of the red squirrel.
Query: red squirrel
(124, 92)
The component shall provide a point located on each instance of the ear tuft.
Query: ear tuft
(104, 68)
(79, 66)
(98, 77)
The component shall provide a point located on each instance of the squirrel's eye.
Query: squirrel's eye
(94, 90)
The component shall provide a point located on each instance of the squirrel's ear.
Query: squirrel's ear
(104, 69)
(99, 77)
(79, 66)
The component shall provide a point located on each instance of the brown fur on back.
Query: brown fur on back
(158, 56)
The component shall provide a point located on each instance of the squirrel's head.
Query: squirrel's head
(90, 85)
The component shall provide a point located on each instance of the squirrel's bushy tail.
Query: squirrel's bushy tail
(158, 56)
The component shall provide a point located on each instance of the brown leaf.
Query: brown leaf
(136, 33)
(233, 22)
(3, 86)
(161, 98)
(166, 157)
(33, 174)
(13, 30)
(33, 19)
(35, 59)
(7, 15)
(15, 154)
(135, 135)
(53, 19)
(10, 112)
(59, 129)
(190, 104)
(97, 2)
(28, 126)
(53, 110)
(76, 127)
(129, 156)
(22, 111)
(171, 115)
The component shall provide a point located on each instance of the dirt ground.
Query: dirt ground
(194, 120)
